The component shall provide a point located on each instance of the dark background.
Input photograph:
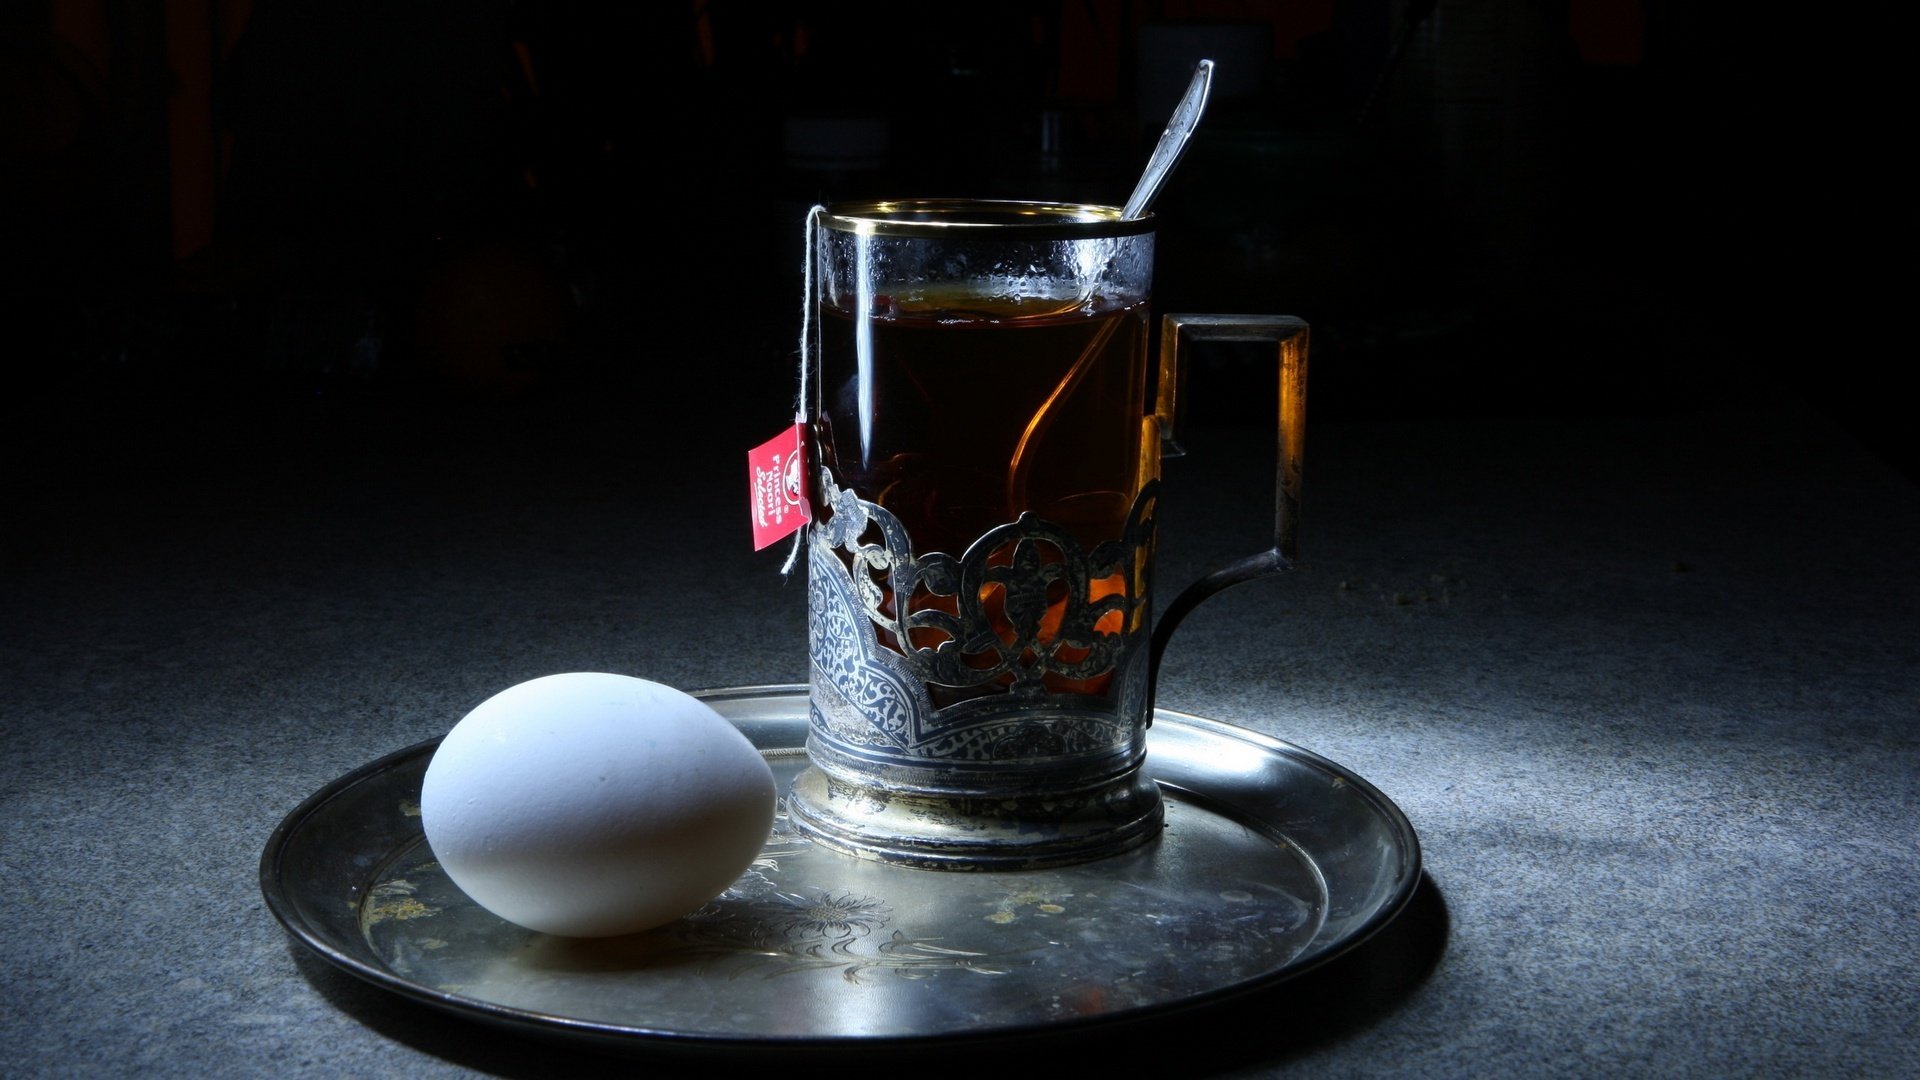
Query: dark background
(243, 231)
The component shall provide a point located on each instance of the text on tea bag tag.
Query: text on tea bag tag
(777, 473)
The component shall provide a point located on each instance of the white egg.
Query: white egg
(589, 804)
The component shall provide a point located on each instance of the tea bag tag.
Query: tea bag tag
(777, 473)
(777, 468)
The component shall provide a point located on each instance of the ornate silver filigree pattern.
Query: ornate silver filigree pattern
(1020, 564)
(1023, 614)
(994, 700)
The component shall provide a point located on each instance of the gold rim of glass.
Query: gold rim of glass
(976, 218)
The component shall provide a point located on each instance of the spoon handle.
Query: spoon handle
(1173, 141)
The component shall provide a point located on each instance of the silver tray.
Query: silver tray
(1274, 861)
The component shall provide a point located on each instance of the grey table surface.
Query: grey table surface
(1646, 687)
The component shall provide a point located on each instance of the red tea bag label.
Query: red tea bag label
(777, 471)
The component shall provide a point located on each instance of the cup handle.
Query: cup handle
(1289, 336)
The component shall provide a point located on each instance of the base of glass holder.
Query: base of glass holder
(933, 832)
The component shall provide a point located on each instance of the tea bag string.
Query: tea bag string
(809, 233)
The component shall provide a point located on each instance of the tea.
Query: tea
(958, 419)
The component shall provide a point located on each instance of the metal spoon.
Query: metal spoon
(1166, 154)
(1173, 142)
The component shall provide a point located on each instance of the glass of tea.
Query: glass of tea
(986, 431)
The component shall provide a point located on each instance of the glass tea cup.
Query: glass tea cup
(987, 435)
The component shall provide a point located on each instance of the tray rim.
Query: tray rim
(631, 1036)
